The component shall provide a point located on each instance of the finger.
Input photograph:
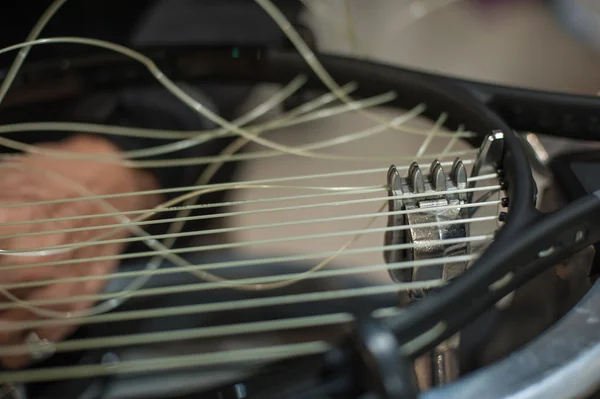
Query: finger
(22, 255)
(19, 269)
(59, 332)
(7, 297)
(41, 345)
(14, 337)
(54, 333)
(32, 263)
(24, 270)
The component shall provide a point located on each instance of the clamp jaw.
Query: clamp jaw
(426, 208)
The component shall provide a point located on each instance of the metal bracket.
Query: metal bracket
(490, 153)
(427, 200)
(425, 209)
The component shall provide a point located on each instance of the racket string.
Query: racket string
(273, 353)
(99, 240)
(307, 112)
(210, 286)
(476, 205)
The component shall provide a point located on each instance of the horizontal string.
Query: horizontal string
(87, 374)
(161, 251)
(200, 332)
(252, 185)
(187, 334)
(140, 281)
(161, 209)
(482, 177)
(223, 306)
(191, 188)
(223, 185)
(292, 152)
(257, 227)
(92, 241)
(198, 287)
(152, 272)
(229, 204)
(247, 227)
(290, 258)
(166, 363)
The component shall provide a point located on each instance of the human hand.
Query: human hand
(20, 184)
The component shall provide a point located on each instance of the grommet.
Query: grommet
(502, 216)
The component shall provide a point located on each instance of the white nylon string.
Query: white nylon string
(24, 251)
(222, 283)
(166, 363)
(213, 266)
(244, 130)
(312, 61)
(238, 213)
(202, 332)
(226, 306)
(246, 281)
(254, 183)
(302, 111)
(192, 333)
(249, 227)
(192, 103)
(96, 239)
(294, 117)
(290, 258)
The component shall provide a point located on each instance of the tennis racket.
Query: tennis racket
(374, 342)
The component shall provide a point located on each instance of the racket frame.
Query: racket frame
(484, 108)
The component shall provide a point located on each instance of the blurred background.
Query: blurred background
(515, 42)
(512, 42)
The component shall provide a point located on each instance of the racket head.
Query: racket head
(411, 88)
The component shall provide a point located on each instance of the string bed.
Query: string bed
(305, 219)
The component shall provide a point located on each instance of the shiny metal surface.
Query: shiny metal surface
(427, 223)
(446, 365)
(537, 153)
(489, 155)
(561, 363)
(440, 186)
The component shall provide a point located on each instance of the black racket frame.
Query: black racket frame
(361, 364)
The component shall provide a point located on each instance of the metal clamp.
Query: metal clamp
(428, 205)
(425, 210)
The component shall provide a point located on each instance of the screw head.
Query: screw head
(504, 202)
